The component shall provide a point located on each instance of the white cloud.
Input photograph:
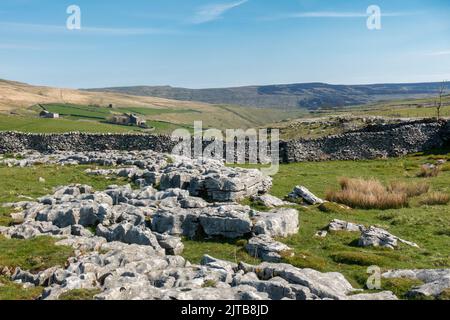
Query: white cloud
(335, 14)
(45, 28)
(215, 11)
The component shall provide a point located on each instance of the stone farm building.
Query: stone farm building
(48, 115)
(128, 119)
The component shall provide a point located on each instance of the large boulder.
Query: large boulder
(276, 223)
(129, 233)
(61, 215)
(210, 179)
(175, 221)
(229, 221)
(92, 213)
(331, 285)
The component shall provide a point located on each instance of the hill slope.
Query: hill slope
(306, 95)
(17, 99)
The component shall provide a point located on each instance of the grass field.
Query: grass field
(428, 226)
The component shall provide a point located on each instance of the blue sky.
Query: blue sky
(219, 43)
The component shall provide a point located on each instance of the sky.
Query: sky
(223, 43)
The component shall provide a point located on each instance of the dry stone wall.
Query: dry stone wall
(379, 141)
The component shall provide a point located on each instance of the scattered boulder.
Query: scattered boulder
(268, 201)
(377, 237)
(302, 193)
(267, 249)
(340, 225)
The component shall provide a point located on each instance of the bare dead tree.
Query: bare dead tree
(438, 102)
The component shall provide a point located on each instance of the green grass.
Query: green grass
(400, 286)
(425, 225)
(16, 182)
(78, 111)
(5, 218)
(13, 291)
(230, 250)
(79, 294)
(38, 125)
(35, 254)
(357, 258)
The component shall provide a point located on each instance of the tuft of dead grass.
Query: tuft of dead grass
(435, 198)
(367, 194)
(427, 171)
(410, 189)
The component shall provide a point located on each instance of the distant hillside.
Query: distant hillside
(307, 95)
(18, 100)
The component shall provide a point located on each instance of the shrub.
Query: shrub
(410, 189)
(435, 198)
(367, 194)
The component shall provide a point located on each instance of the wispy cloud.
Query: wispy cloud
(215, 11)
(18, 46)
(334, 14)
(100, 31)
(439, 53)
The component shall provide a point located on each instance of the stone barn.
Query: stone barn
(128, 119)
(48, 115)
